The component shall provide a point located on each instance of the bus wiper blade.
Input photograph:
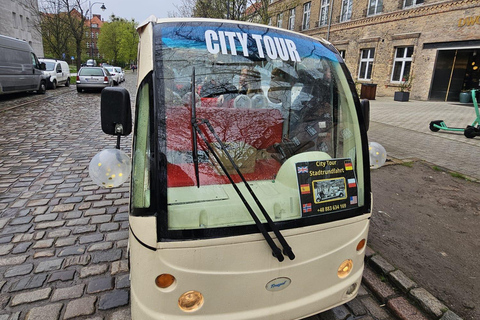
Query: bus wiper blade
(194, 131)
(287, 250)
(275, 250)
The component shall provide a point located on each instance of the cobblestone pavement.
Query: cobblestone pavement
(63, 240)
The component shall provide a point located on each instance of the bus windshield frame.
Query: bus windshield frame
(294, 75)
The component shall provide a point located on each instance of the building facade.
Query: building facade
(432, 44)
(16, 21)
(91, 35)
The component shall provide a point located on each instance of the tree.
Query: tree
(118, 40)
(77, 16)
(129, 42)
(249, 10)
(51, 22)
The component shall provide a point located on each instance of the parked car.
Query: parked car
(20, 69)
(58, 72)
(114, 73)
(121, 72)
(93, 78)
(91, 63)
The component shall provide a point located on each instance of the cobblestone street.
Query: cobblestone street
(63, 240)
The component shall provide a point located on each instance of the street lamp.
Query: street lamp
(91, 29)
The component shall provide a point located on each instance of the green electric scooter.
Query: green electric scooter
(470, 131)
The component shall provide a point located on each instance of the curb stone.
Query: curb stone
(427, 303)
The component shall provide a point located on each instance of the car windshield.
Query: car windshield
(118, 70)
(279, 103)
(91, 72)
(110, 69)
(49, 66)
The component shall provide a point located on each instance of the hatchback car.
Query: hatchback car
(115, 74)
(93, 78)
(121, 72)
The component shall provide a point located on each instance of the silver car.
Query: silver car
(93, 78)
(115, 75)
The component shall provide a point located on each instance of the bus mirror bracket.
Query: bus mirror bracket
(365, 105)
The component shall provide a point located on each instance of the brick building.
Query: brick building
(435, 42)
(16, 21)
(91, 35)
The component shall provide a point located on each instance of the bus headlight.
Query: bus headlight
(190, 301)
(345, 269)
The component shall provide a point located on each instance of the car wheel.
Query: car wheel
(67, 83)
(43, 87)
(54, 84)
(79, 90)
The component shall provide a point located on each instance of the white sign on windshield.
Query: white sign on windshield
(275, 47)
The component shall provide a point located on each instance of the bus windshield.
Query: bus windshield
(278, 103)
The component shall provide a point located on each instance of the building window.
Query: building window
(402, 64)
(14, 18)
(306, 16)
(279, 20)
(28, 24)
(346, 10)
(411, 3)
(94, 25)
(291, 19)
(324, 13)
(366, 64)
(375, 7)
(21, 22)
(88, 44)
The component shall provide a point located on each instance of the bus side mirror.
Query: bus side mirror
(365, 105)
(116, 113)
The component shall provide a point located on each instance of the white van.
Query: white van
(20, 69)
(58, 71)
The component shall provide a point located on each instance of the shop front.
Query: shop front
(456, 69)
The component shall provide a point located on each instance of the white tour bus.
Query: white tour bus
(250, 199)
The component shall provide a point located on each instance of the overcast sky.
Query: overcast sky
(139, 10)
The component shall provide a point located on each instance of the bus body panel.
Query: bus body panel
(242, 270)
(233, 272)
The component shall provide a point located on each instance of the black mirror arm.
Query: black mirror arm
(119, 132)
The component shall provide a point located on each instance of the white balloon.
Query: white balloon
(378, 155)
(110, 168)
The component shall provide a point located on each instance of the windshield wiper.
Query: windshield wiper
(196, 129)
(194, 134)
(276, 250)
(287, 250)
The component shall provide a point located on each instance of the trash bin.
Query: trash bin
(368, 91)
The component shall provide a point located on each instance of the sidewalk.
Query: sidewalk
(453, 151)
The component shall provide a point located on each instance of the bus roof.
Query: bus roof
(153, 19)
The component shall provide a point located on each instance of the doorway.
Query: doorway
(455, 70)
